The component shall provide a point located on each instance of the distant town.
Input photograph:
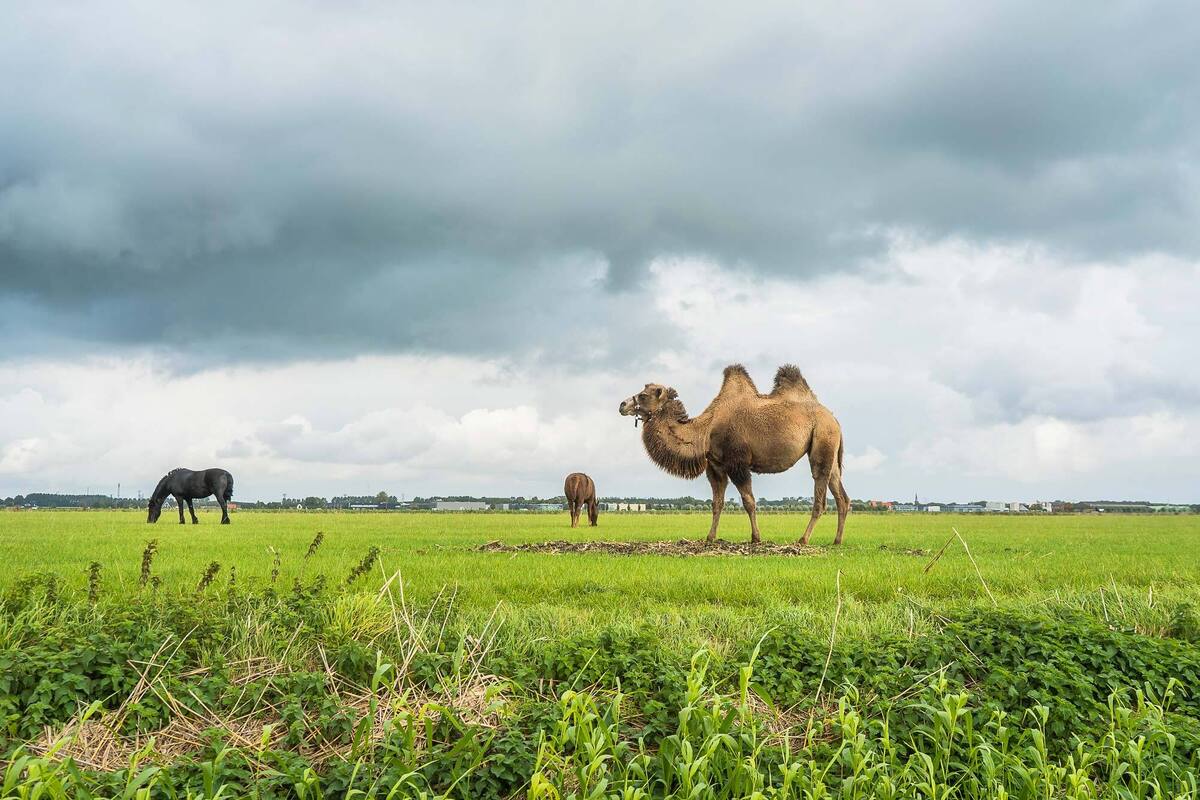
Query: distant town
(383, 501)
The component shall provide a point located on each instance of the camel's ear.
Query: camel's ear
(672, 394)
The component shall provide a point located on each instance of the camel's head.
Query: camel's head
(646, 403)
(155, 509)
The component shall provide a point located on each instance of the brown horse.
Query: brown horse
(580, 491)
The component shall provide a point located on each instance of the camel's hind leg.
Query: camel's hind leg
(842, 498)
(820, 489)
(822, 459)
(719, 482)
(742, 482)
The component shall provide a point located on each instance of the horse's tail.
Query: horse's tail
(228, 487)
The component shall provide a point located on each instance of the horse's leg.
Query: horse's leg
(842, 497)
(179, 505)
(593, 511)
(741, 479)
(719, 481)
(571, 508)
(224, 507)
(192, 511)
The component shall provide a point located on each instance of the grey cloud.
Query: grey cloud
(331, 180)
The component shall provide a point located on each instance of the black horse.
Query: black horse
(187, 485)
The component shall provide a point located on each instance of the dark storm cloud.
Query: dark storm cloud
(320, 179)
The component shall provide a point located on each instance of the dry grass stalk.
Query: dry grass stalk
(976, 566)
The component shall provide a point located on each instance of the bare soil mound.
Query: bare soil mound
(683, 547)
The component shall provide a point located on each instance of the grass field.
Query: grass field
(1131, 561)
(1058, 657)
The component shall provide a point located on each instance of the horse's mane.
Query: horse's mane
(161, 485)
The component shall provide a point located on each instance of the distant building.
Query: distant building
(993, 505)
(459, 505)
(905, 507)
(622, 506)
(933, 508)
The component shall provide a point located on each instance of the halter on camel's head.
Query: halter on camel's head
(646, 403)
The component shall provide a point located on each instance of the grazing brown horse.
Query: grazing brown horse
(187, 485)
(580, 491)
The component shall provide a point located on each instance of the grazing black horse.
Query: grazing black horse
(187, 485)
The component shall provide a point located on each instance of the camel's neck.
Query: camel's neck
(677, 444)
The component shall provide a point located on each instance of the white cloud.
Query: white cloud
(956, 370)
(870, 460)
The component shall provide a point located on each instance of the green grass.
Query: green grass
(1134, 566)
(1061, 662)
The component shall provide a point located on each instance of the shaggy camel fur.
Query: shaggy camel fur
(581, 491)
(742, 432)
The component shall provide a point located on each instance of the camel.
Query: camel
(580, 491)
(743, 432)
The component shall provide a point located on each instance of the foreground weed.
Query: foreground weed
(314, 545)
(210, 573)
(364, 566)
(93, 582)
(148, 560)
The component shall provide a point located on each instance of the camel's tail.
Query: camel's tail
(789, 381)
(228, 487)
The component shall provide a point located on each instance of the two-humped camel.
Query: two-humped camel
(743, 432)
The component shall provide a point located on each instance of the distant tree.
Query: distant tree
(314, 503)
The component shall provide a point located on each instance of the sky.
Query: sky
(427, 249)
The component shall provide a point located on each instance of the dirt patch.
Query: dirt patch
(683, 547)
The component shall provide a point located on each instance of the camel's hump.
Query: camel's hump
(736, 375)
(788, 379)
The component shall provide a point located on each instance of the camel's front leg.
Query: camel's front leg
(719, 482)
(746, 490)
